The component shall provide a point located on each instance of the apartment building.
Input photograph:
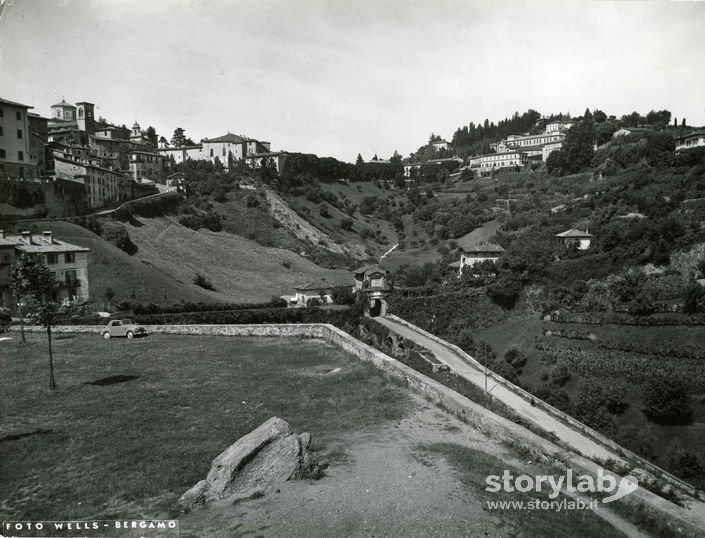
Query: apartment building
(68, 264)
(15, 160)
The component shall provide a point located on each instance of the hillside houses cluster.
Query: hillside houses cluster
(517, 150)
(70, 144)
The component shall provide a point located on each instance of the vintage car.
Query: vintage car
(122, 327)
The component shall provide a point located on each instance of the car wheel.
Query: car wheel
(106, 336)
(130, 334)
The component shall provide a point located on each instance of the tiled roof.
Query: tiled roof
(484, 248)
(40, 244)
(63, 103)
(13, 103)
(369, 269)
(574, 233)
(228, 138)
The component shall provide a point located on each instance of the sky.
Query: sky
(338, 78)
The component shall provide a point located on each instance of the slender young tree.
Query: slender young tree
(32, 280)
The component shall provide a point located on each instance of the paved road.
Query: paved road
(446, 355)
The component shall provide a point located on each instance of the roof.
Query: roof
(227, 138)
(374, 268)
(483, 248)
(324, 284)
(573, 233)
(13, 103)
(63, 103)
(41, 244)
(689, 135)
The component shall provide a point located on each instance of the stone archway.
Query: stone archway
(378, 307)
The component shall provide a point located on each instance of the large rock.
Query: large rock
(270, 454)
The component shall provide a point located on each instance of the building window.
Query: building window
(52, 259)
(20, 155)
(0, 130)
(19, 115)
(2, 112)
(211, 152)
(2, 153)
(19, 133)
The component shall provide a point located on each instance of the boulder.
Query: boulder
(270, 454)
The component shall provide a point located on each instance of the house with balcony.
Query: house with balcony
(68, 264)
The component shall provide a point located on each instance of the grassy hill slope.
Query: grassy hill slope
(241, 270)
(110, 267)
(169, 256)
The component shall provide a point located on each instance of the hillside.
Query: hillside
(240, 269)
(168, 256)
(110, 267)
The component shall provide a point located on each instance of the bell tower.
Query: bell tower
(84, 117)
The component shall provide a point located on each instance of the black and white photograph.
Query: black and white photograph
(336, 268)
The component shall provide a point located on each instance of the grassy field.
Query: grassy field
(135, 423)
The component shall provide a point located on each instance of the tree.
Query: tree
(179, 139)
(163, 142)
(152, 136)
(109, 295)
(32, 280)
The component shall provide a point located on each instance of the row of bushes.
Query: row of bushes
(139, 308)
(604, 365)
(620, 318)
(570, 334)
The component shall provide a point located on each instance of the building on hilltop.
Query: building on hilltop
(485, 165)
(15, 154)
(68, 264)
(226, 149)
(439, 144)
(692, 140)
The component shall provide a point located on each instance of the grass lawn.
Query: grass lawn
(131, 448)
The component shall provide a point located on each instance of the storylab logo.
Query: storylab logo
(603, 484)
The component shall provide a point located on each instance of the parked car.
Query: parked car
(122, 327)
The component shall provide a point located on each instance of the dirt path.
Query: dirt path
(384, 486)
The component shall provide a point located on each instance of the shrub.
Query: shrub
(560, 375)
(346, 224)
(116, 234)
(687, 464)
(666, 399)
(694, 299)
(515, 357)
(343, 296)
(203, 282)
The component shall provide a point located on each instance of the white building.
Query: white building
(692, 140)
(583, 240)
(483, 165)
